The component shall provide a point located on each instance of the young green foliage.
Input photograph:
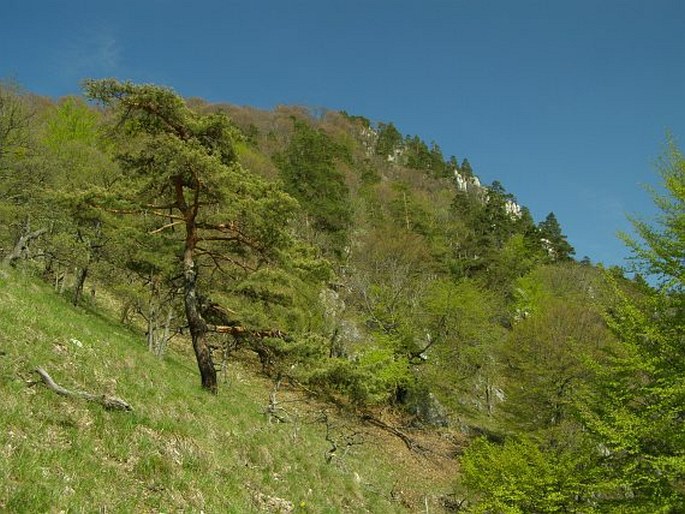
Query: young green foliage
(637, 406)
(81, 167)
(519, 477)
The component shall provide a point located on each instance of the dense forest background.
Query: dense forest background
(367, 268)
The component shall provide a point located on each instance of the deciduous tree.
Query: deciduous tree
(637, 407)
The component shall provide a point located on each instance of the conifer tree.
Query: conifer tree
(389, 139)
(465, 168)
(555, 242)
(307, 167)
(182, 173)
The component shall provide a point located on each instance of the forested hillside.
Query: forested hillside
(341, 260)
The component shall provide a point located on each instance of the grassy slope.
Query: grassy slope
(180, 449)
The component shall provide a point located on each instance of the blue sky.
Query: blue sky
(566, 103)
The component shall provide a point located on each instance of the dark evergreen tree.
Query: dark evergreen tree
(308, 169)
(465, 168)
(554, 241)
(389, 139)
(497, 224)
(417, 153)
(438, 166)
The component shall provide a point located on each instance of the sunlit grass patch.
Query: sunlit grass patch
(180, 449)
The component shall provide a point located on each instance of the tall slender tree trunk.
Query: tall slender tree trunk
(93, 249)
(80, 282)
(198, 331)
(196, 324)
(162, 343)
(151, 327)
(152, 315)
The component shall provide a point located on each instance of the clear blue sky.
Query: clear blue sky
(566, 103)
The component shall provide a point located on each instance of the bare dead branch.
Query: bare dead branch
(349, 438)
(274, 411)
(241, 331)
(145, 211)
(230, 227)
(160, 207)
(108, 402)
(164, 227)
(218, 238)
(22, 245)
(411, 444)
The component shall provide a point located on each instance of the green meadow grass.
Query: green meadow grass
(180, 449)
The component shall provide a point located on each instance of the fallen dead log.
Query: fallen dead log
(108, 402)
(241, 331)
(408, 441)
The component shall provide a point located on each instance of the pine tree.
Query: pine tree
(389, 139)
(465, 168)
(554, 241)
(309, 173)
(182, 173)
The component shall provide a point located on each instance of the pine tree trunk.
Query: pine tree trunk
(151, 327)
(198, 332)
(196, 324)
(125, 310)
(78, 286)
(162, 343)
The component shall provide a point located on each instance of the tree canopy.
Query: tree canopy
(182, 173)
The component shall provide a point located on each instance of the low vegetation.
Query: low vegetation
(179, 449)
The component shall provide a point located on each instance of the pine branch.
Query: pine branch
(216, 257)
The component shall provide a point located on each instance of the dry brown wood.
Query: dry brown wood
(108, 402)
(22, 245)
(408, 441)
(238, 330)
